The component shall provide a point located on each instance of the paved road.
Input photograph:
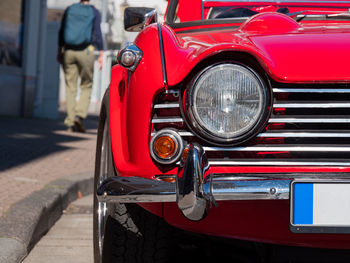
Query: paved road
(70, 239)
(36, 152)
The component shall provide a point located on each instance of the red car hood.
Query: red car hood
(288, 52)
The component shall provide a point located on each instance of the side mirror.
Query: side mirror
(137, 18)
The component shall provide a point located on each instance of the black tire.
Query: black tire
(103, 159)
(129, 233)
(135, 235)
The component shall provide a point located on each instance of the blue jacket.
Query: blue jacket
(97, 40)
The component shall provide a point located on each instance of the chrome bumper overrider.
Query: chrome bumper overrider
(195, 189)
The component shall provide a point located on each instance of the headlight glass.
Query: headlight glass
(227, 100)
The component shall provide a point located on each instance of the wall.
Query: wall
(46, 102)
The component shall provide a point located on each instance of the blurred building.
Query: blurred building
(28, 67)
(29, 72)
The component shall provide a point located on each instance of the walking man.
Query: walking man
(79, 35)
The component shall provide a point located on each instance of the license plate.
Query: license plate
(320, 206)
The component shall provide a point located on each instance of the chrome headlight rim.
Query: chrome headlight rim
(206, 135)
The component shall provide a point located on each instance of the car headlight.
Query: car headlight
(227, 102)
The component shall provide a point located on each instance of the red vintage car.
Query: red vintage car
(230, 119)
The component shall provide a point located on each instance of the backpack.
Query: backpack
(78, 24)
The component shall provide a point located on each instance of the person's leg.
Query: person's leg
(86, 66)
(71, 71)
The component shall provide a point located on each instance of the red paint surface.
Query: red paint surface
(261, 221)
(289, 52)
(130, 108)
(269, 23)
(286, 50)
(189, 10)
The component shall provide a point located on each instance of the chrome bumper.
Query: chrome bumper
(140, 190)
(195, 189)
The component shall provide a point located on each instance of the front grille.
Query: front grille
(309, 125)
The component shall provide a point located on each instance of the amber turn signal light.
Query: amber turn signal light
(164, 147)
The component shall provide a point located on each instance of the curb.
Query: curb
(29, 219)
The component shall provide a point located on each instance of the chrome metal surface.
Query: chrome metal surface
(221, 187)
(176, 138)
(137, 18)
(309, 134)
(218, 186)
(135, 190)
(102, 206)
(277, 162)
(190, 195)
(182, 133)
(151, 17)
(167, 106)
(264, 148)
(128, 58)
(321, 90)
(202, 10)
(311, 105)
(213, 133)
(162, 55)
(131, 48)
(166, 120)
(249, 190)
(310, 119)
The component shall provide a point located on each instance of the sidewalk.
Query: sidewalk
(42, 169)
(35, 152)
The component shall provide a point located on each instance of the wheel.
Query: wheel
(125, 232)
(135, 235)
(103, 169)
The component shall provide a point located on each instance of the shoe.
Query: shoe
(71, 129)
(78, 121)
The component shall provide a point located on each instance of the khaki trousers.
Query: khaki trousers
(78, 63)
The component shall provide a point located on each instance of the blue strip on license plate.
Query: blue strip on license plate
(320, 204)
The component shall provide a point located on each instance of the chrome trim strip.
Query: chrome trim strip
(167, 105)
(223, 187)
(167, 120)
(311, 105)
(277, 163)
(141, 190)
(182, 133)
(267, 148)
(316, 119)
(305, 134)
(283, 90)
(186, 134)
(165, 81)
(135, 189)
(250, 190)
(202, 10)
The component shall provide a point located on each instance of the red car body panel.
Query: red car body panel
(130, 108)
(261, 221)
(287, 52)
